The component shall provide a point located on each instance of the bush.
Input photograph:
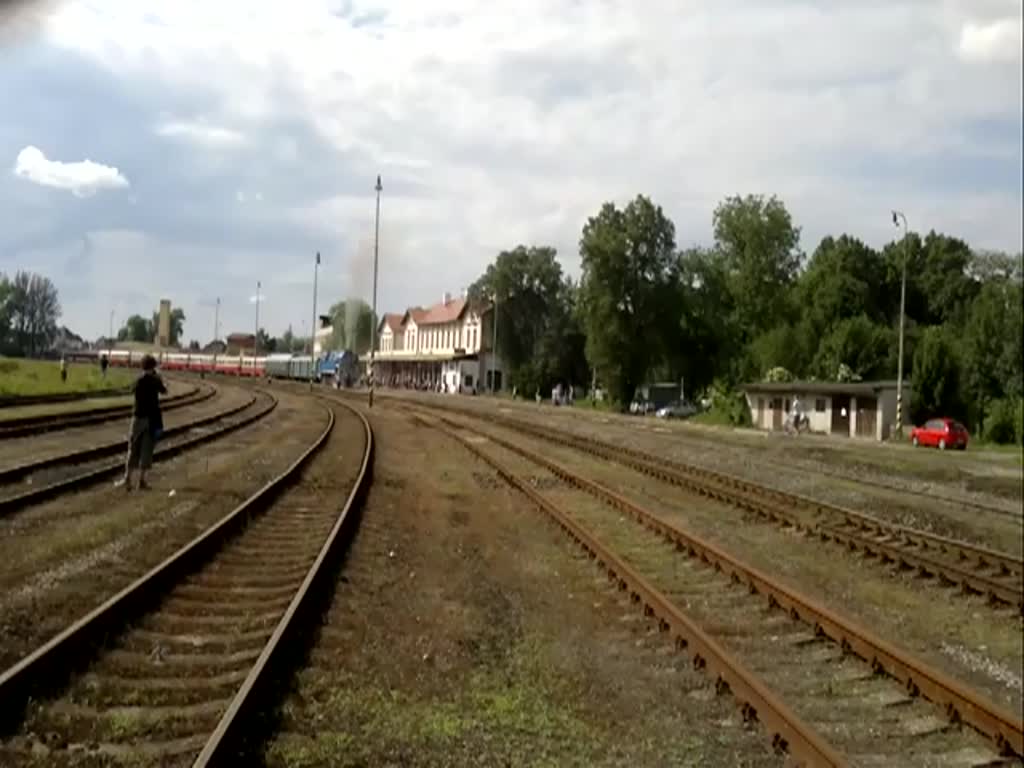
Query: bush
(1002, 425)
(778, 373)
(727, 407)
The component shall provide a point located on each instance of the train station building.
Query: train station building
(445, 347)
(864, 409)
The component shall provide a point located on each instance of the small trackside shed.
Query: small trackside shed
(855, 409)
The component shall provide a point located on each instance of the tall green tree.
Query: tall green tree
(992, 346)
(843, 279)
(939, 285)
(760, 247)
(937, 386)
(857, 343)
(705, 341)
(31, 307)
(5, 313)
(629, 285)
(539, 337)
(137, 328)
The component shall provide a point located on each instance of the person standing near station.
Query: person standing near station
(63, 369)
(147, 423)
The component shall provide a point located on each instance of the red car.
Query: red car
(941, 433)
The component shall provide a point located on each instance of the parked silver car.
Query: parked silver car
(676, 410)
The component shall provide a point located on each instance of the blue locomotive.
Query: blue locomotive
(338, 368)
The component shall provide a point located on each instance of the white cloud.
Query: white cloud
(498, 123)
(996, 41)
(201, 132)
(82, 178)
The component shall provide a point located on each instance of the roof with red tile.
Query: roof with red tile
(443, 313)
(392, 320)
(434, 315)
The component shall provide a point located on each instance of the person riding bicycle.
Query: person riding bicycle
(796, 414)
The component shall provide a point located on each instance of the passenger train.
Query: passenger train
(340, 366)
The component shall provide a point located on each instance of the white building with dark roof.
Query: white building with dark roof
(853, 409)
(446, 346)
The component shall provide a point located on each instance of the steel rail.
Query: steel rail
(17, 401)
(750, 496)
(36, 425)
(892, 487)
(49, 666)
(789, 733)
(959, 703)
(219, 748)
(12, 504)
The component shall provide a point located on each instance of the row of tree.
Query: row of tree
(29, 310)
(752, 305)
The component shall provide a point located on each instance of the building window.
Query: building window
(819, 405)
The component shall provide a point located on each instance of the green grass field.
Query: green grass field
(42, 377)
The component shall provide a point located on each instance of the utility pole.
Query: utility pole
(312, 336)
(216, 331)
(110, 335)
(373, 330)
(494, 348)
(896, 215)
(256, 338)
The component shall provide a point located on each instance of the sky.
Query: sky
(186, 150)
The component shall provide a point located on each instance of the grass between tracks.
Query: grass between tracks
(42, 377)
(467, 630)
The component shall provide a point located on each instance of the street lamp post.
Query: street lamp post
(376, 247)
(312, 337)
(896, 216)
(216, 331)
(494, 347)
(256, 337)
(110, 334)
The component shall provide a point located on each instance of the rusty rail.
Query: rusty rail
(27, 426)
(49, 666)
(11, 504)
(755, 498)
(789, 733)
(959, 703)
(219, 748)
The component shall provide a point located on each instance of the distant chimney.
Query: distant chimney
(446, 299)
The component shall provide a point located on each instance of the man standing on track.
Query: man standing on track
(147, 423)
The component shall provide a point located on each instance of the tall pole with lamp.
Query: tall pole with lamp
(376, 250)
(494, 347)
(256, 338)
(312, 337)
(216, 331)
(896, 216)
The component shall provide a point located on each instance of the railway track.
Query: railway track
(34, 425)
(973, 568)
(828, 692)
(819, 468)
(168, 671)
(96, 463)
